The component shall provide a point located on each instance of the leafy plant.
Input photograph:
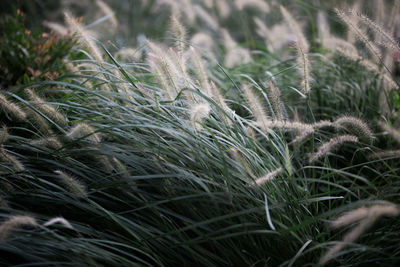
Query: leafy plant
(26, 55)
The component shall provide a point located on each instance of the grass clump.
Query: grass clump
(226, 157)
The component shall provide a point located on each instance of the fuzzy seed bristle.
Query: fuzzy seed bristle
(366, 217)
(197, 114)
(201, 72)
(268, 177)
(377, 29)
(222, 103)
(106, 9)
(385, 154)
(360, 34)
(84, 37)
(14, 222)
(59, 220)
(74, 186)
(332, 144)
(304, 64)
(355, 125)
(11, 108)
(50, 142)
(4, 135)
(82, 129)
(256, 4)
(46, 108)
(394, 133)
(7, 157)
(179, 34)
(275, 98)
(256, 107)
(295, 29)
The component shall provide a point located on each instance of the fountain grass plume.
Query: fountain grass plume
(59, 220)
(82, 129)
(366, 218)
(73, 186)
(257, 107)
(378, 29)
(304, 67)
(331, 145)
(84, 37)
(107, 10)
(198, 113)
(47, 109)
(206, 17)
(12, 108)
(393, 18)
(274, 95)
(296, 29)
(4, 135)
(360, 33)
(11, 159)
(268, 177)
(223, 7)
(49, 142)
(394, 133)
(220, 99)
(355, 125)
(15, 222)
(259, 5)
(201, 72)
(385, 154)
(179, 33)
(388, 81)
(56, 27)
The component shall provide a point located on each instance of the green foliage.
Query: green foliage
(27, 55)
(141, 183)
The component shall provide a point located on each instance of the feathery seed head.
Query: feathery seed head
(274, 96)
(7, 157)
(198, 112)
(257, 107)
(223, 8)
(179, 33)
(332, 144)
(106, 9)
(394, 133)
(268, 177)
(50, 142)
(15, 222)
(360, 33)
(385, 154)
(84, 37)
(256, 4)
(46, 108)
(201, 72)
(82, 129)
(11, 108)
(366, 217)
(206, 17)
(75, 187)
(296, 29)
(56, 27)
(59, 220)
(221, 101)
(203, 41)
(304, 67)
(355, 125)
(4, 135)
(322, 124)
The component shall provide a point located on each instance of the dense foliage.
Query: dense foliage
(174, 154)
